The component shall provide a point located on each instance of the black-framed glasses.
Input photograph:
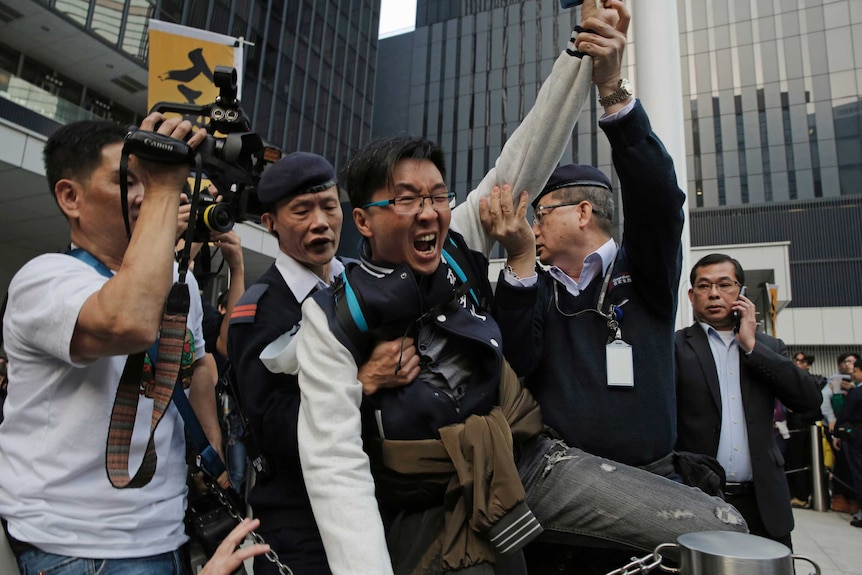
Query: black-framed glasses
(541, 211)
(409, 205)
(724, 286)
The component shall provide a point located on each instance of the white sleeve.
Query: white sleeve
(826, 405)
(195, 319)
(534, 149)
(336, 469)
(45, 299)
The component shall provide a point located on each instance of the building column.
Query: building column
(658, 83)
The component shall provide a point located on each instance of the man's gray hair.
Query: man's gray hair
(601, 199)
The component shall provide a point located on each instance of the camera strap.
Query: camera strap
(169, 350)
(166, 354)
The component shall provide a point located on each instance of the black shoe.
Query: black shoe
(856, 522)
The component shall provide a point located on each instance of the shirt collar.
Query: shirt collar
(302, 281)
(604, 255)
(728, 337)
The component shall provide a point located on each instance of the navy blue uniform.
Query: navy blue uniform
(267, 310)
(563, 357)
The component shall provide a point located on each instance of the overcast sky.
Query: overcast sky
(397, 17)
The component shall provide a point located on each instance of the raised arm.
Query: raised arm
(534, 149)
(125, 314)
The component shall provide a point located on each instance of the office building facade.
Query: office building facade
(772, 123)
(308, 85)
(309, 69)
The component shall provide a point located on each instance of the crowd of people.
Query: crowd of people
(839, 412)
(403, 416)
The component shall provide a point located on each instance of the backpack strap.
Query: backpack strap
(350, 314)
(348, 309)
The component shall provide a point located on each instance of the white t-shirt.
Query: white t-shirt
(54, 487)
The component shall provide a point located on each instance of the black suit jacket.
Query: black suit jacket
(766, 374)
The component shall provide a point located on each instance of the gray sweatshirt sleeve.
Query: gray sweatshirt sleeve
(534, 149)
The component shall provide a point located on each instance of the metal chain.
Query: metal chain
(270, 555)
(646, 563)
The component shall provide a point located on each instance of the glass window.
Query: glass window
(37, 73)
(838, 42)
(75, 9)
(135, 37)
(107, 16)
(9, 59)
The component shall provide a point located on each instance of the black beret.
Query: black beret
(294, 174)
(574, 175)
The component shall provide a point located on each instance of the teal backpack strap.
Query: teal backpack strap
(348, 311)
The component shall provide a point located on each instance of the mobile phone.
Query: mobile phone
(737, 317)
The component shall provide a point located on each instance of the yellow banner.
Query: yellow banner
(773, 307)
(181, 68)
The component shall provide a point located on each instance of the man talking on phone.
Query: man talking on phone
(728, 377)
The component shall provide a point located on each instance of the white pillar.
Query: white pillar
(658, 84)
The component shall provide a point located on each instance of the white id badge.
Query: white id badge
(619, 363)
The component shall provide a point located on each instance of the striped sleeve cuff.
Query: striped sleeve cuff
(570, 49)
(513, 531)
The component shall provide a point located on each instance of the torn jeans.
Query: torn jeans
(582, 499)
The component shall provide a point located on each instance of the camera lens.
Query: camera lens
(218, 218)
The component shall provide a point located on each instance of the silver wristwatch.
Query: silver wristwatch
(623, 91)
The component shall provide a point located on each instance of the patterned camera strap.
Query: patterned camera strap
(170, 349)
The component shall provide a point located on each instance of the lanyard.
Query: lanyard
(612, 316)
(90, 259)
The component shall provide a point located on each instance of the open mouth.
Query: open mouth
(319, 242)
(425, 244)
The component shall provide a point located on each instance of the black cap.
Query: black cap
(574, 175)
(294, 174)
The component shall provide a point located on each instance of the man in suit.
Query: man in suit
(727, 378)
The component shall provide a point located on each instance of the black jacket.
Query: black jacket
(267, 310)
(766, 374)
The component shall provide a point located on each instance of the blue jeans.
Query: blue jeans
(34, 561)
(581, 499)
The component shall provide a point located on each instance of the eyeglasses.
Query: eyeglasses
(542, 211)
(409, 205)
(800, 360)
(724, 286)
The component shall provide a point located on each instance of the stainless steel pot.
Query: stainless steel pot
(728, 553)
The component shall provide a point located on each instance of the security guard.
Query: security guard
(303, 212)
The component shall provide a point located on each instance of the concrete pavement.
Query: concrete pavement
(828, 539)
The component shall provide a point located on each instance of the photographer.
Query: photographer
(72, 319)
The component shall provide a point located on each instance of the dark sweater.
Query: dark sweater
(563, 358)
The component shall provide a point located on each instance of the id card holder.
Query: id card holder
(620, 366)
